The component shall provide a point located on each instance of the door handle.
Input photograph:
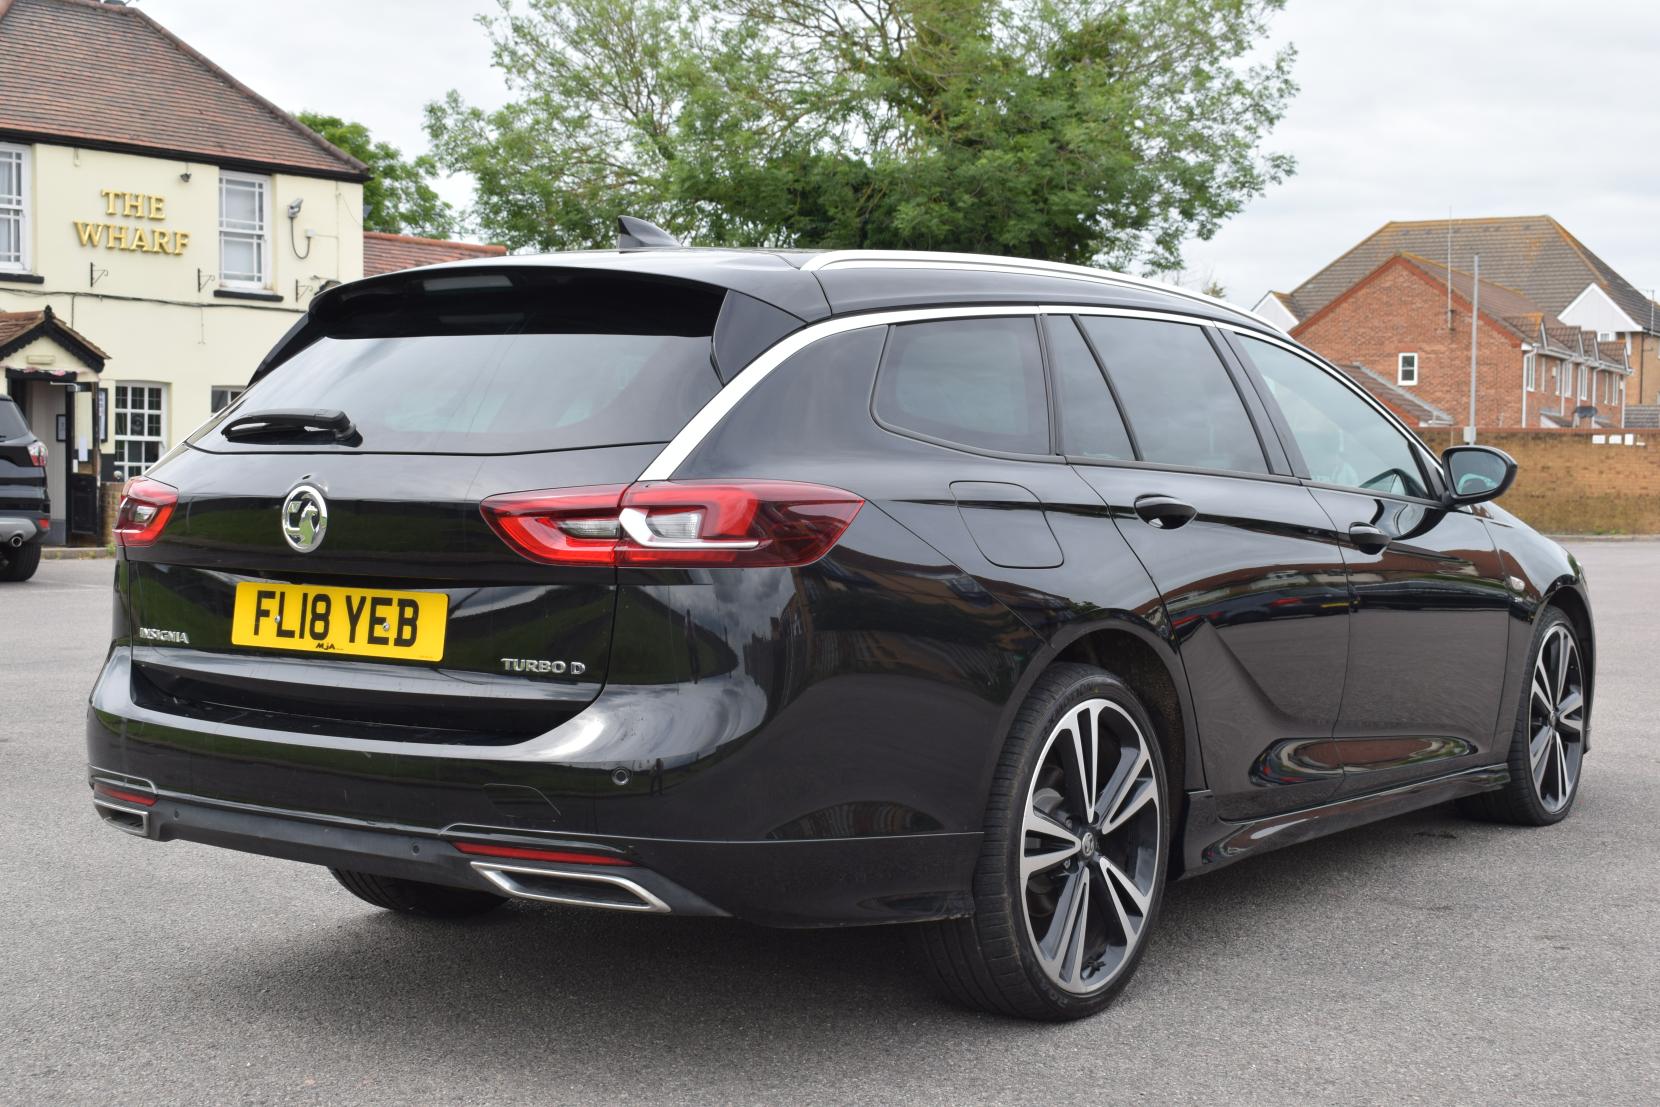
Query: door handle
(1163, 512)
(1368, 539)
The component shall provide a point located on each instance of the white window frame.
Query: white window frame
(234, 392)
(123, 467)
(18, 210)
(1402, 369)
(1530, 373)
(261, 235)
(1584, 382)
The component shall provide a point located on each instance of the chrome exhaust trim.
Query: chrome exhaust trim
(15, 540)
(553, 885)
(132, 820)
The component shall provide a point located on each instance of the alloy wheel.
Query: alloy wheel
(1092, 849)
(1556, 719)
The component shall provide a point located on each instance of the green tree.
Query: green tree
(1077, 130)
(398, 199)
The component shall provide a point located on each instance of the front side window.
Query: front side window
(969, 382)
(1529, 380)
(1584, 388)
(1344, 440)
(244, 255)
(1177, 396)
(140, 422)
(14, 208)
(1407, 365)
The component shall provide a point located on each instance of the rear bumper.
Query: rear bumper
(352, 806)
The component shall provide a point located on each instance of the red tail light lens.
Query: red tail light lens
(676, 524)
(146, 505)
(37, 454)
(143, 799)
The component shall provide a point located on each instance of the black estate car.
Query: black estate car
(822, 589)
(25, 511)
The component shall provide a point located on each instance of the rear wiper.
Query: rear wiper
(274, 424)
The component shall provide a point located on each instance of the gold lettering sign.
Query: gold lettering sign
(127, 236)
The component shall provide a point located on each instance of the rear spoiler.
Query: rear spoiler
(745, 326)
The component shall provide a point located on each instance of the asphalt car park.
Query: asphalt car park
(1427, 958)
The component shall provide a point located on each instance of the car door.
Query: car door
(1249, 568)
(1428, 643)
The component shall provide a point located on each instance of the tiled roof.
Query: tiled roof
(86, 73)
(1504, 304)
(387, 253)
(1404, 403)
(1531, 254)
(19, 328)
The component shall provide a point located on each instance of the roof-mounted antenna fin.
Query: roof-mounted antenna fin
(637, 234)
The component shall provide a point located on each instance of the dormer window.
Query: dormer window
(1406, 369)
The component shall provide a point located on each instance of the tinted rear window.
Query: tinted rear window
(524, 364)
(1177, 395)
(977, 382)
(11, 421)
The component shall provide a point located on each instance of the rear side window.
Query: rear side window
(1090, 425)
(503, 365)
(1178, 397)
(11, 421)
(970, 382)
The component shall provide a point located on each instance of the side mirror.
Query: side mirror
(1476, 474)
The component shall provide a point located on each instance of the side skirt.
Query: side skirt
(1210, 842)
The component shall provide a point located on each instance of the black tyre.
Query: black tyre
(20, 563)
(1072, 870)
(1547, 749)
(415, 897)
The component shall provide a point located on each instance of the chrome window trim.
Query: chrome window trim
(710, 416)
(993, 263)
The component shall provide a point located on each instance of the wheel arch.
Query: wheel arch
(1569, 599)
(1154, 673)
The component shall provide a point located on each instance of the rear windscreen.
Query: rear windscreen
(504, 364)
(11, 421)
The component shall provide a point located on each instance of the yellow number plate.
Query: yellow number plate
(363, 621)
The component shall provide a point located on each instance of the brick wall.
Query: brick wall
(1400, 310)
(1567, 485)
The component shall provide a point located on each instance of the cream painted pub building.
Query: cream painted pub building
(161, 225)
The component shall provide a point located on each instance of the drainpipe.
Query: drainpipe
(1528, 360)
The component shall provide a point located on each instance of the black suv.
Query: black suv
(25, 512)
(821, 589)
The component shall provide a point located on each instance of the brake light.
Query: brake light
(146, 505)
(675, 524)
(37, 454)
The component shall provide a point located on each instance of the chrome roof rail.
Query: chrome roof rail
(992, 263)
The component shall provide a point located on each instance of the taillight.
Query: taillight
(675, 524)
(37, 454)
(146, 505)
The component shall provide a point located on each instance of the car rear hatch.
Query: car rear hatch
(326, 568)
(22, 464)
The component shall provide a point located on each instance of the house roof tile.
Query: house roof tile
(1533, 255)
(387, 253)
(108, 76)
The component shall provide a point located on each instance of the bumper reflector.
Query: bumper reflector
(109, 791)
(523, 853)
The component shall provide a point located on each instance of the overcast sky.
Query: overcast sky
(1408, 108)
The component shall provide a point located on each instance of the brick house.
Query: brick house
(1554, 310)
(1393, 331)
